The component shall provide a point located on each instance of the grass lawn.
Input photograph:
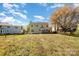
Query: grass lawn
(39, 45)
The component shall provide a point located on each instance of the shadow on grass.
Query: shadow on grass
(74, 34)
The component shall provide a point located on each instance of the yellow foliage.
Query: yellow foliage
(59, 12)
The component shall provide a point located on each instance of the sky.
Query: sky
(23, 13)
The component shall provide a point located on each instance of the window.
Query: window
(21, 27)
(7, 30)
(0, 26)
(16, 27)
(8, 26)
(1, 31)
(32, 30)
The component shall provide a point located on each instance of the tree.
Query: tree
(65, 18)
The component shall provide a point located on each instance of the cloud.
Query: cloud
(43, 4)
(12, 14)
(51, 5)
(16, 5)
(20, 15)
(23, 4)
(57, 5)
(11, 20)
(7, 6)
(39, 17)
(15, 11)
(8, 19)
(10, 6)
(2, 14)
(54, 6)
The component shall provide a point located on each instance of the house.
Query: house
(39, 27)
(10, 29)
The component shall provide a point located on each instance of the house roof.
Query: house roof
(7, 24)
(44, 23)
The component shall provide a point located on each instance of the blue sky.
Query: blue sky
(23, 13)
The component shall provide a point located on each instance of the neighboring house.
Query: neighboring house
(38, 27)
(10, 29)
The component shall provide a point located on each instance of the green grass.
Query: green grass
(39, 45)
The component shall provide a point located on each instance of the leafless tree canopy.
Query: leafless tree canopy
(66, 18)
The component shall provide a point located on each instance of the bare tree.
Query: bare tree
(66, 19)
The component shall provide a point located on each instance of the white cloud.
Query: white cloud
(20, 14)
(7, 6)
(15, 11)
(43, 4)
(18, 22)
(23, 4)
(39, 17)
(16, 5)
(11, 20)
(8, 19)
(2, 14)
(11, 11)
(57, 5)
(10, 6)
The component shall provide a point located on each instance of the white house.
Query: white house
(10, 29)
(39, 27)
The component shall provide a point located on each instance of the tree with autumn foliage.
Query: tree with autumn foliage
(65, 19)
